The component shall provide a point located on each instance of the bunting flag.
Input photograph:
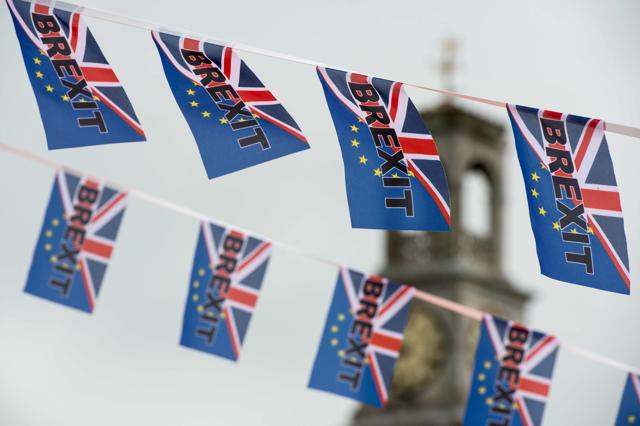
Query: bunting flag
(227, 274)
(393, 173)
(574, 204)
(511, 376)
(81, 100)
(76, 241)
(236, 121)
(362, 337)
(629, 412)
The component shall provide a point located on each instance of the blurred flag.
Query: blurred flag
(362, 337)
(393, 173)
(511, 376)
(629, 412)
(574, 203)
(80, 99)
(236, 121)
(76, 240)
(227, 274)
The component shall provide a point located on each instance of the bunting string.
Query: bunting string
(424, 296)
(103, 15)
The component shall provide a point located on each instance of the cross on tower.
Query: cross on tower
(448, 63)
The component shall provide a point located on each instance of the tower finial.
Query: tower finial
(448, 63)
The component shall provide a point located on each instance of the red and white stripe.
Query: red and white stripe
(67, 202)
(494, 336)
(242, 297)
(87, 282)
(212, 250)
(108, 211)
(251, 261)
(355, 109)
(378, 380)
(97, 248)
(601, 200)
(349, 289)
(393, 305)
(234, 337)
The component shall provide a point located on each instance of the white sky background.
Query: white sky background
(123, 364)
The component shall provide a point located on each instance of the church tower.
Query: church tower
(432, 375)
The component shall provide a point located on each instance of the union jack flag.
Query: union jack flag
(511, 376)
(574, 204)
(76, 241)
(226, 278)
(394, 179)
(80, 98)
(362, 337)
(237, 122)
(629, 411)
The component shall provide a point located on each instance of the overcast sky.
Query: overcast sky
(123, 365)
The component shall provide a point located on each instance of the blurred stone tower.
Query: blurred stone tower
(432, 375)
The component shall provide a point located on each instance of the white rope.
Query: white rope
(432, 299)
(150, 26)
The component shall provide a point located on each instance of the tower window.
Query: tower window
(476, 203)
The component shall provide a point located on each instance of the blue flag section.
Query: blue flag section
(629, 412)
(574, 204)
(80, 98)
(76, 241)
(512, 375)
(362, 337)
(227, 274)
(236, 121)
(393, 173)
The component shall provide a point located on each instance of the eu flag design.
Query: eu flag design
(80, 98)
(236, 121)
(512, 375)
(629, 412)
(362, 337)
(574, 204)
(227, 274)
(393, 173)
(76, 241)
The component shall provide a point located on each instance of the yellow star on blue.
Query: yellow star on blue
(354, 128)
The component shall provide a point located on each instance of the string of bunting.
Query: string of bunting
(394, 181)
(84, 205)
(393, 173)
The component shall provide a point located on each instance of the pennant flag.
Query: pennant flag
(76, 241)
(362, 337)
(629, 412)
(236, 121)
(393, 173)
(574, 204)
(81, 100)
(511, 376)
(227, 274)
